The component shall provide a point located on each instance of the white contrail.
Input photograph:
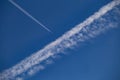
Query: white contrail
(28, 14)
(107, 17)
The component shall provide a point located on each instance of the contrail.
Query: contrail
(28, 14)
(107, 17)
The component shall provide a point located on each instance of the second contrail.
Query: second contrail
(29, 15)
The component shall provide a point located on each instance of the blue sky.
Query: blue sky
(97, 59)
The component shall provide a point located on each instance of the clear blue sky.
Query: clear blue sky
(97, 59)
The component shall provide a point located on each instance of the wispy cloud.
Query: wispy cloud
(107, 17)
(29, 15)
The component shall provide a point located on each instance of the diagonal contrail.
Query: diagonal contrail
(107, 17)
(28, 14)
